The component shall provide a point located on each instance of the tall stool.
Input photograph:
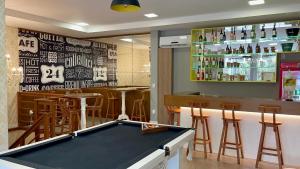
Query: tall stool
(44, 106)
(173, 111)
(138, 109)
(95, 108)
(224, 144)
(112, 100)
(205, 140)
(275, 125)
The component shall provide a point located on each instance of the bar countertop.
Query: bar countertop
(183, 99)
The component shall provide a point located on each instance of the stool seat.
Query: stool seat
(199, 117)
(270, 123)
(231, 119)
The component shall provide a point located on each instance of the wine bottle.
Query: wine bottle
(203, 62)
(252, 33)
(234, 35)
(227, 50)
(213, 63)
(245, 33)
(224, 36)
(231, 34)
(198, 74)
(263, 32)
(202, 75)
(257, 48)
(242, 34)
(206, 62)
(200, 38)
(274, 31)
(206, 75)
(199, 62)
(212, 36)
(221, 36)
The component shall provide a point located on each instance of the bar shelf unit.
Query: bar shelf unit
(246, 53)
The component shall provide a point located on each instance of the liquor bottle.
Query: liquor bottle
(199, 50)
(234, 34)
(212, 35)
(249, 49)
(202, 75)
(206, 75)
(199, 63)
(230, 50)
(227, 49)
(203, 62)
(241, 49)
(210, 62)
(220, 76)
(213, 62)
(198, 74)
(224, 36)
(257, 48)
(220, 63)
(206, 62)
(231, 34)
(221, 36)
(242, 34)
(263, 32)
(200, 38)
(205, 39)
(245, 33)
(216, 36)
(253, 33)
(274, 31)
(210, 75)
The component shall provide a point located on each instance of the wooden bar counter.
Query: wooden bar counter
(247, 104)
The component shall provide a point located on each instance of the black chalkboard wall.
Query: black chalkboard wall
(53, 61)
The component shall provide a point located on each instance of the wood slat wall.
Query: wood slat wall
(165, 68)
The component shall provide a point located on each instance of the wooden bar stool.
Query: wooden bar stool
(275, 125)
(224, 144)
(138, 109)
(112, 101)
(205, 140)
(47, 107)
(95, 108)
(173, 111)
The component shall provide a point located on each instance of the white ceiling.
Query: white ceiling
(59, 16)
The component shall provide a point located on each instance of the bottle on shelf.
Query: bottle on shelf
(221, 36)
(249, 49)
(213, 62)
(224, 35)
(274, 31)
(203, 62)
(202, 75)
(206, 75)
(230, 50)
(206, 62)
(200, 37)
(257, 48)
(210, 75)
(198, 74)
(216, 36)
(199, 52)
(231, 34)
(243, 34)
(227, 49)
(199, 62)
(263, 32)
(212, 35)
(220, 76)
(253, 33)
(234, 34)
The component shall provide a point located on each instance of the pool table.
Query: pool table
(113, 145)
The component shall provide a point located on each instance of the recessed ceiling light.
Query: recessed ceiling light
(82, 24)
(126, 39)
(151, 15)
(256, 2)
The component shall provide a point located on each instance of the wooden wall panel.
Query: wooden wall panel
(165, 81)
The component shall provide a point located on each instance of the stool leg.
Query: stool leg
(178, 119)
(140, 111)
(225, 139)
(107, 110)
(208, 136)
(195, 136)
(278, 147)
(221, 141)
(261, 144)
(240, 139)
(237, 142)
(204, 138)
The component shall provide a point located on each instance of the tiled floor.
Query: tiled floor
(199, 162)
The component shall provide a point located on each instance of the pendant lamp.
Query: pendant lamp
(125, 5)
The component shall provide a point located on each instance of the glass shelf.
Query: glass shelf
(235, 55)
(248, 41)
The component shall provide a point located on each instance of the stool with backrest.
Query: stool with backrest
(112, 101)
(95, 109)
(173, 111)
(44, 106)
(231, 119)
(138, 109)
(196, 117)
(274, 124)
